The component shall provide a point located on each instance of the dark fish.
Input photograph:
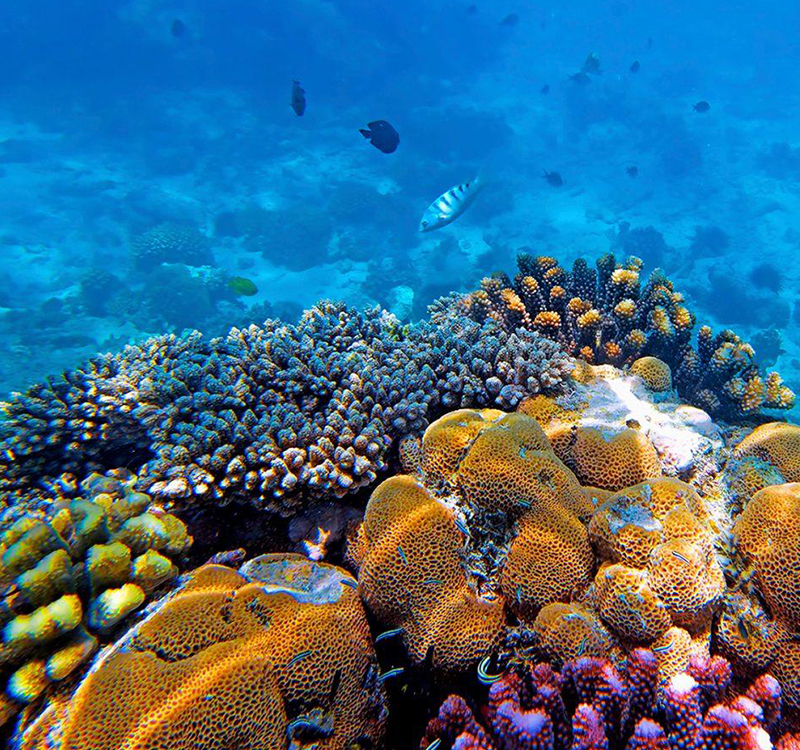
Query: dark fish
(545, 89)
(633, 171)
(591, 64)
(553, 178)
(649, 42)
(472, 10)
(382, 135)
(298, 101)
(178, 28)
(636, 66)
(512, 19)
(701, 106)
(741, 626)
(580, 78)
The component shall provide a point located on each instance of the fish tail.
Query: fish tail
(365, 133)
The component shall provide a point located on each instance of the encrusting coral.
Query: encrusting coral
(71, 573)
(606, 316)
(593, 705)
(276, 654)
(492, 520)
(267, 413)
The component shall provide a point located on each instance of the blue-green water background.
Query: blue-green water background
(111, 124)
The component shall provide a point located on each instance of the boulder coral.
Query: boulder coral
(491, 523)
(71, 574)
(277, 653)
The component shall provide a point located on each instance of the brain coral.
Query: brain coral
(277, 653)
(777, 443)
(606, 316)
(492, 520)
(655, 373)
(662, 569)
(71, 573)
(593, 705)
(267, 413)
(170, 243)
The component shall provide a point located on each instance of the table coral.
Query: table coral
(278, 652)
(607, 316)
(268, 413)
(592, 704)
(72, 571)
(490, 522)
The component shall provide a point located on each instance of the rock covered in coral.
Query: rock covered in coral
(170, 243)
(592, 704)
(492, 521)
(270, 412)
(71, 572)
(275, 654)
(606, 316)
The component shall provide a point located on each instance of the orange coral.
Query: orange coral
(768, 537)
(232, 660)
(778, 443)
(567, 631)
(612, 463)
(654, 372)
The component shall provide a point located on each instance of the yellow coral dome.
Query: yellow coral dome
(655, 373)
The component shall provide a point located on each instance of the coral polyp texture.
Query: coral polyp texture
(170, 243)
(612, 315)
(268, 413)
(71, 573)
(277, 654)
(591, 704)
(491, 521)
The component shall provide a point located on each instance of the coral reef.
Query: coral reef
(278, 652)
(606, 316)
(268, 412)
(170, 243)
(71, 572)
(592, 704)
(491, 520)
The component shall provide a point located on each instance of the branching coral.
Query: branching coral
(71, 573)
(591, 704)
(278, 653)
(268, 412)
(607, 316)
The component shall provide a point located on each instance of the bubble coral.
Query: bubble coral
(268, 413)
(277, 652)
(72, 572)
(607, 316)
(592, 704)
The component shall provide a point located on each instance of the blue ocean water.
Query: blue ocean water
(150, 160)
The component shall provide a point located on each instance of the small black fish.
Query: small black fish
(472, 10)
(649, 42)
(178, 28)
(382, 135)
(636, 66)
(298, 101)
(545, 89)
(633, 171)
(552, 178)
(512, 19)
(591, 64)
(701, 106)
(580, 78)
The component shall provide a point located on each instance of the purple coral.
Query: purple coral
(597, 706)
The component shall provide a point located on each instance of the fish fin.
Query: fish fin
(365, 133)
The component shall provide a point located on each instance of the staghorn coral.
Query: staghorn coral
(491, 521)
(170, 243)
(278, 652)
(592, 704)
(606, 316)
(72, 571)
(270, 412)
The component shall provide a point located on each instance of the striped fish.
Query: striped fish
(449, 205)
